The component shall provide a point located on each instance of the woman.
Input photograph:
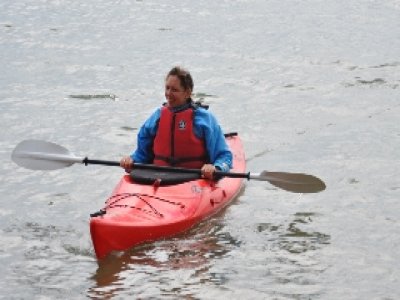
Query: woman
(181, 133)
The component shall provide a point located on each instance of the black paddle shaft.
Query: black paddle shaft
(87, 161)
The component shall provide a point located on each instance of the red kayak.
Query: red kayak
(140, 212)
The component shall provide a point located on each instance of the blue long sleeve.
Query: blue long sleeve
(205, 127)
(145, 138)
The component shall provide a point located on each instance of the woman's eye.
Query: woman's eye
(173, 90)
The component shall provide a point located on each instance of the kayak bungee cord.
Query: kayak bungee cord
(122, 196)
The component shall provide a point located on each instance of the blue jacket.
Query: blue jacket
(205, 127)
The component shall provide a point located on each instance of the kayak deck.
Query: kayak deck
(137, 213)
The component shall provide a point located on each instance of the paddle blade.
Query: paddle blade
(41, 155)
(293, 182)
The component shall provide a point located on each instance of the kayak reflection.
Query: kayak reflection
(194, 250)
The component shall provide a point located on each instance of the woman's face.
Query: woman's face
(174, 93)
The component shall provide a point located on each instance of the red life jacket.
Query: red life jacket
(175, 143)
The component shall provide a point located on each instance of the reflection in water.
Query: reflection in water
(297, 240)
(94, 97)
(182, 265)
(191, 253)
(290, 264)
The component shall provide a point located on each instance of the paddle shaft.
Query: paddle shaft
(292, 182)
(87, 161)
(42, 155)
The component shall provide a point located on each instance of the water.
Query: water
(311, 86)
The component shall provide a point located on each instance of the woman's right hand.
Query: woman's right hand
(127, 163)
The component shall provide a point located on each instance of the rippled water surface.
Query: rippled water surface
(311, 86)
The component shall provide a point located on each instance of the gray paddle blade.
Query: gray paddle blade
(293, 182)
(41, 155)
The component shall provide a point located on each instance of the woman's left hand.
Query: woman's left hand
(207, 171)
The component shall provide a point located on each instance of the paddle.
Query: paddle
(42, 155)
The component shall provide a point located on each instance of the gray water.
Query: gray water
(311, 86)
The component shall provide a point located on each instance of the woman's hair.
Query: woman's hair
(184, 77)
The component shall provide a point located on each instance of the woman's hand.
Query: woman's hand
(127, 163)
(207, 171)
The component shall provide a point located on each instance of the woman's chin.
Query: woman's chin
(171, 103)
